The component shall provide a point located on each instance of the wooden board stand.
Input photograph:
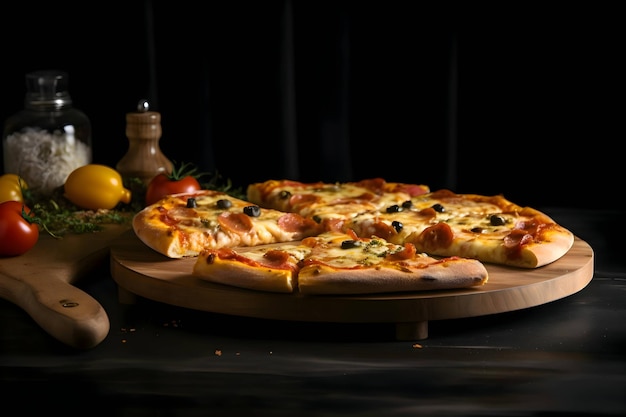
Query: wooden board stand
(138, 270)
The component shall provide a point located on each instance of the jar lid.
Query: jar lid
(47, 87)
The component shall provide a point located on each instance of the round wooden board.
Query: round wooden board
(138, 270)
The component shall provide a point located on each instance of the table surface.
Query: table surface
(567, 357)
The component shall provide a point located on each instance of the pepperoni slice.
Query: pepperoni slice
(226, 253)
(408, 252)
(167, 220)
(428, 212)
(235, 222)
(411, 189)
(179, 215)
(303, 199)
(332, 224)
(277, 258)
(375, 185)
(293, 222)
(514, 241)
(437, 236)
(380, 229)
(442, 194)
(415, 190)
(517, 238)
(530, 226)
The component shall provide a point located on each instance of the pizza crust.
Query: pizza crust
(159, 238)
(558, 243)
(553, 246)
(238, 274)
(459, 273)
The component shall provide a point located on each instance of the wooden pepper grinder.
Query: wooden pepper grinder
(144, 159)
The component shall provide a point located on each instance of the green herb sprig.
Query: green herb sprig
(59, 220)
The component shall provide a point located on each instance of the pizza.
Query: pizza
(488, 228)
(349, 238)
(337, 263)
(182, 225)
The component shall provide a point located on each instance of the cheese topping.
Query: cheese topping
(328, 200)
(475, 219)
(258, 254)
(176, 228)
(334, 249)
(207, 218)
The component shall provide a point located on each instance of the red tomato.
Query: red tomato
(163, 185)
(17, 233)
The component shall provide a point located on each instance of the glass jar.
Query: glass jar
(49, 138)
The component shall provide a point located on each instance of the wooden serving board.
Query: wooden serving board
(138, 270)
(40, 282)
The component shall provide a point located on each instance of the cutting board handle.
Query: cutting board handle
(64, 311)
(41, 283)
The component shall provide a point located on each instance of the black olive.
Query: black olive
(211, 258)
(191, 203)
(407, 204)
(317, 219)
(349, 244)
(252, 211)
(224, 204)
(477, 230)
(438, 208)
(397, 225)
(394, 209)
(497, 220)
(284, 195)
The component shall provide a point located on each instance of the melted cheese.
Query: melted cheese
(341, 251)
(296, 251)
(176, 230)
(331, 200)
(460, 214)
(201, 224)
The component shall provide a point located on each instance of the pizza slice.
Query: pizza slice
(182, 225)
(488, 228)
(337, 263)
(322, 201)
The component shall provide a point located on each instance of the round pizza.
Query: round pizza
(349, 238)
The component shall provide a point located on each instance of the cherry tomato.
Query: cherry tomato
(161, 186)
(18, 233)
(11, 188)
(179, 181)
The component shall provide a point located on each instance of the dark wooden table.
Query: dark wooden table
(567, 357)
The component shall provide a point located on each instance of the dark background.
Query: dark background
(523, 99)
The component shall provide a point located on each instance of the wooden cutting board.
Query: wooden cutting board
(40, 282)
(138, 270)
